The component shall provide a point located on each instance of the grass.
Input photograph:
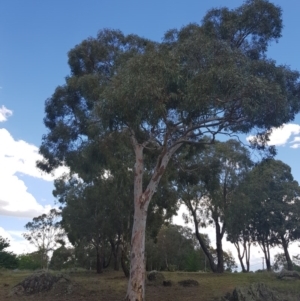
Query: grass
(111, 286)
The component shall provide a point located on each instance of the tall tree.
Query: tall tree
(92, 213)
(208, 186)
(163, 95)
(99, 211)
(43, 233)
(239, 227)
(275, 216)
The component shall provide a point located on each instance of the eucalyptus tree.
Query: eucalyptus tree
(84, 218)
(275, 214)
(43, 232)
(208, 188)
(97, 209)
(175, 248)
(239, 227)
(200, 80)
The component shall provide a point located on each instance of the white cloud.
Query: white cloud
(4, 113)
(280, 136)
(19, 157)
(18, 244)
(296, 139)
(297, 145)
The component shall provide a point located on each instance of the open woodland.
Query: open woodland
(141, 125)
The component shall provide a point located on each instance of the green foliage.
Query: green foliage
(194, 261)
(200, 81)
(4, 243)
(203, 79)
(174, 248)
(281, 263)
(206, 185)
(62, 258)
(43, 233)
(29, 261)
(8, 260)
(273, 215)
(229, 262)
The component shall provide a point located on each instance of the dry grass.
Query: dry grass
(111, 286)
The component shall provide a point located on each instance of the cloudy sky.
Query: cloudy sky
(35, 38)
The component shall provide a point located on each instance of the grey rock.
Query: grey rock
(155, 276)
(284, 274)
(167, 283)
(37, 282)
(188, 283)
(254, 292)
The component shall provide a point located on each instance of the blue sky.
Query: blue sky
(35, 39)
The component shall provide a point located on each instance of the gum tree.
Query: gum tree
(275, 213)
(207, 184)
(202, 80)
(43, 232)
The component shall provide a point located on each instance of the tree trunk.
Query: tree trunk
(245, 253)
(266, 249)
(219, 236)
(247, 250)
(124, 261)
(136, 283)
(99, 264)
(240, 256)
(106, 263)
(287, 254)
(202, 242)
(116, 253)
(116, 262)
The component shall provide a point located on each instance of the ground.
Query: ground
(111, 286)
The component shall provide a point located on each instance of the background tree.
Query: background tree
(62, 258)
(175, 248)
(281, 263)
(239, 227)
(275, 217)
(100, 212)
(30, 261)
(86, 216)
(162, 95)
(208, 186)
(43, 233)
(8, 260)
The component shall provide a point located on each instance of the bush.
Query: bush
(29, 261)
(8, 260)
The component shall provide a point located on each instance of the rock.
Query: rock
(40, 281)
(188, 283)
(288, 275)
(253, 292)
(167, 283)
(155, 276)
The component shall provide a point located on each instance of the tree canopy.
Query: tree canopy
(274, 215)
(199, 82)
(7, 259)
(43, 232)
